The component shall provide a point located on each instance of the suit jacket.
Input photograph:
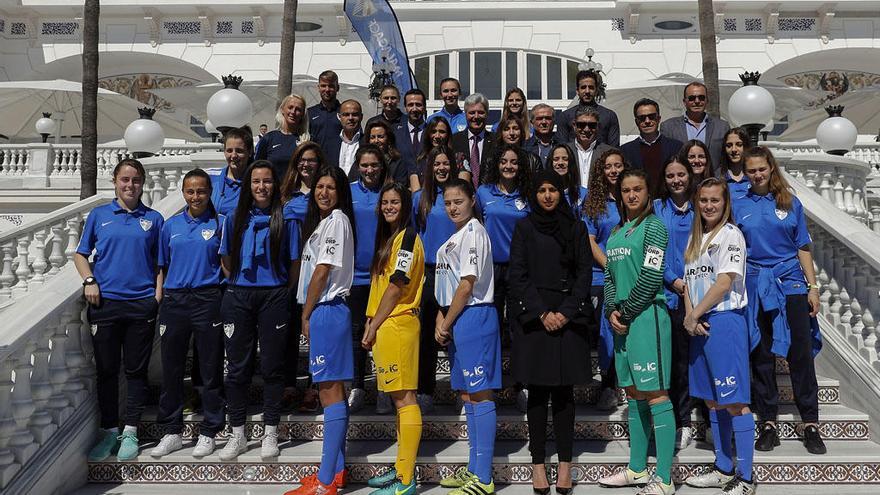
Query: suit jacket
(332, 146)
(676, 128)
(608, 131)
(404, 144)
(632, 153)
(531, 145)
(460, 144)
(600, 148)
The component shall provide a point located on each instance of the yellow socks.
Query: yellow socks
(409, 420)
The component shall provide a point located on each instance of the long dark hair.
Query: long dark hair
(427, 143)
(747, 144)
(293, 179)
(429, 191)
(385, 232)
(372, 149)
(618, 196)
(502, 125)
(572, 178)
(343, 201)
(599, 188)
(243, 213)
(523, 179)
(523, 117)
(467, 187)
(393, 153)
(662, 190)
(686, 150)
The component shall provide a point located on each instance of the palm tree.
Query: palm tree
(710, 57)
(288, 42)
(89, 157)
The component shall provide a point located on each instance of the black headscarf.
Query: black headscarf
(559, 223)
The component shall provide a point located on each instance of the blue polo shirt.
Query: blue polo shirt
(438, 227)
(224, 191)
(255, 266)
(364, 201)
(126, 245)
(500, 212)
(189, 250)
(456, 119)
(296, 208)
(577, 205)
(324, 122)
(737, 189)
(678, 223)
(773, 236)
(601, 228)
(277, 147)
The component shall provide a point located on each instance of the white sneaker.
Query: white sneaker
(739, 486)
(657, 487)
(167, 445)
(235, 446)
(625, 477)
(685, 436)
(356, 399)
(383, 403)
(204, 446)
(269, 447)
(712, 479)
(522, 400)
(426, 403)
(607, 399)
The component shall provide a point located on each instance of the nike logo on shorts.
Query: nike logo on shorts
(216, 324)
(106, 223)
(728, 393)
(277, 327)
(315, 373)
(389, 381)
(275, 146)
(474, 384)
(646, 380)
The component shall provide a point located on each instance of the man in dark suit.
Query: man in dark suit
(590, 91)
(586, 145)
(697, 124)
(389, 97)
(651, 149)
(341, 148)
(323, 119)
(543, 138)
(408, 134)
(475, 143)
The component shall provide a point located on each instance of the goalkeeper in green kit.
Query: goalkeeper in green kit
(636, 309)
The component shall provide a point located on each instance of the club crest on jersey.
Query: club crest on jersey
(229, 329)
(519, 203)
(207, 234)
(146, 224)
(161, 330)
(94, 329)
(449, 247)
(781, 214)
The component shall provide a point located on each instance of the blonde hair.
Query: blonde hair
(696, 246)
(303, 131)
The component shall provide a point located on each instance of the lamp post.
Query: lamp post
(211, 130)
(836, 135)
(45, 126)
(589, 64)
(144, 137)
(229, 107)
(751, 106)
(381, 77)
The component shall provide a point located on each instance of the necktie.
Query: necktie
(475, 161)
(415, 141)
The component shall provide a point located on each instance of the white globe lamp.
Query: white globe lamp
(144, 137)
(836, 135)
(751, 106)
(229, 107)
(45, 126)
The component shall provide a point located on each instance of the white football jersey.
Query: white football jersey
(726, 254)
(332, 244)
(467, 252)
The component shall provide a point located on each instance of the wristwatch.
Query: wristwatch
(813, 286)
(89, 281)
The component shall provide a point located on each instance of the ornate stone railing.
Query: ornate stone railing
(866, 150)
(839, 180)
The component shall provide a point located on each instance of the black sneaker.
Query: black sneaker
(767, 439)
(813, 441)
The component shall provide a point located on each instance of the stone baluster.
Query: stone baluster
(156, 194)
(72, 232)
(837, 193)
(75, 388)
(7, 277)
(875, 217)
(825, 187)
(56, 254)
(22, 441)
(41, 389)
(810, 180)
(88, 371)
(59, 403)
(40, 263)
(173, 175)
(848, 205)
(8, 466)
(23, 271)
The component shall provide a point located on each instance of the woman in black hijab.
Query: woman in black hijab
(550, 276)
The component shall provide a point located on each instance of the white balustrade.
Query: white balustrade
(841, 181)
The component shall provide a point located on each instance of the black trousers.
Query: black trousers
(357, 304)
(252, 315)
(195, 314)
(122, 333)
(291, 361)
(679, 394)
(563, 421)
(428, 347)
(765, 395)
(597, 296)
(500, 299)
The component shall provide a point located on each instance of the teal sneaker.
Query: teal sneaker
(128, 448)
(383, 480)
(107, 446)
(396, 487)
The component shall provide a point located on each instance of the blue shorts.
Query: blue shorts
(719, 363)
(331, 358)
(475, 350)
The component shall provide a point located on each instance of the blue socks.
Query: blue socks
(472, 436)
(485, 421)
(744, 432)
(722, 433)
(340, 459)
(332, 454)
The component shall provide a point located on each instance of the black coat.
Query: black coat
(539, 283)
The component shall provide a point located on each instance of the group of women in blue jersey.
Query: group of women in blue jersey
(266, 251)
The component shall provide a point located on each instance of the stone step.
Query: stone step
(845, 462)
(837, 423)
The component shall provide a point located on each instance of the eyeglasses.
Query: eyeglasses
(591, 125)
(696, 98)
(650, 116)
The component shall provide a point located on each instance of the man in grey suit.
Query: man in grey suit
(586, 145)
(697, 124)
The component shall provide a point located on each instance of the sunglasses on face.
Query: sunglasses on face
(582, 125)
(650, 116)
(696, 98)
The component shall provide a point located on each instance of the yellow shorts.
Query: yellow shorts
(396, 354)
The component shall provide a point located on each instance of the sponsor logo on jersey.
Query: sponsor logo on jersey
(391, 369)
(519, 203)
(449, 247)
(146, 224)
(318, 360)
(443, 266)
(653, 257)
(699, 271)
(619, 253)
(404, 260)
(727, 381)
(649, 366)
